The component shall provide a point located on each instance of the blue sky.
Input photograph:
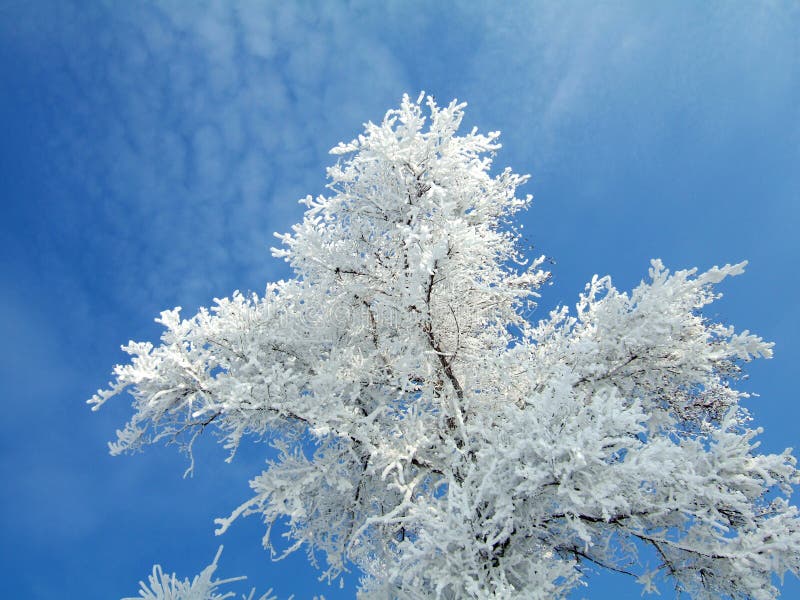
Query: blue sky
(149, 150)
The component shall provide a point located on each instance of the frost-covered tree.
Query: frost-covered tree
(432, 435)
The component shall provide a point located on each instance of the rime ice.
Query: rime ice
(459, 450)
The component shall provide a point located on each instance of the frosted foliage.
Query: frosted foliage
(168, 587)
(432, 435)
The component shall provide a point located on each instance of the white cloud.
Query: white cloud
(197, 130)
